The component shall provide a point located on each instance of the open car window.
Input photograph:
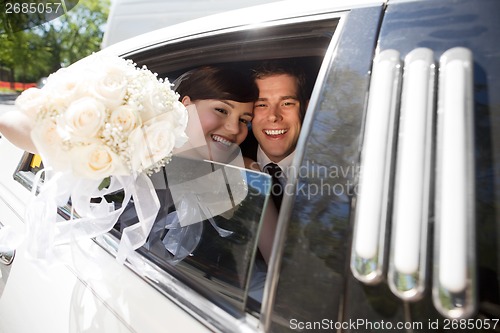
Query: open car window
(305, 41)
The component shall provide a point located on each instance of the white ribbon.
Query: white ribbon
(45, 229)
(181, 240)
(147, 208)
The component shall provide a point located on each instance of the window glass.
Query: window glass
(208, 224)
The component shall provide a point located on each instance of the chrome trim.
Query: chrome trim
(273, 272)
(6, 256)
(368, 246)
(213, 317)
(407, 261)
(454, 281)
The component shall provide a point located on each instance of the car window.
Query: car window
(304, 41)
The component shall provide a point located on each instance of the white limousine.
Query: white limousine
(392, 223)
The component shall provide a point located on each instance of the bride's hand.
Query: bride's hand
(16, 127)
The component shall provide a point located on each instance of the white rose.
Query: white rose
(180, 113)
(101, 61)
(152, 142)
(66, 85)
(31, 101)
(84, 117)
(125, 118)
(48, 139)
(96, 161)
(110, 86)
(151, 101)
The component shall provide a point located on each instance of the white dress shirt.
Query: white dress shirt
(284, 164)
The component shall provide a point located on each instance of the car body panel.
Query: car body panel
(131, 18)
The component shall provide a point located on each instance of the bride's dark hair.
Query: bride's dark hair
(212, 82)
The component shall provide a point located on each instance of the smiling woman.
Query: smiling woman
(224, 99)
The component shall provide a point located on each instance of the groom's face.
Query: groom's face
(277, 123)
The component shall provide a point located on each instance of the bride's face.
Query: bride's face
(224, 125)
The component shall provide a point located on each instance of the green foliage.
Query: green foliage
(31, 54)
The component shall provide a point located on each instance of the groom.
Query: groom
(277, 121)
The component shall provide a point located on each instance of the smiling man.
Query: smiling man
(277, 120)
(278, 115)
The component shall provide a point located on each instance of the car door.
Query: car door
(352, 216)
(325, 40)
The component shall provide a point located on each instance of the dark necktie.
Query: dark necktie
(277, 177)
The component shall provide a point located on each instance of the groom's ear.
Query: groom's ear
(186, 100)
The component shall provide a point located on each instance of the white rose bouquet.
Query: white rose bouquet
(103, 116)
(100, 118)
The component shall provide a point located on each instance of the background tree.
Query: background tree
(30, 54)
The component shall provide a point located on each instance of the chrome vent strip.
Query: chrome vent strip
(454, 288)
(407, 261)
(367, 254)
(454, 272)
